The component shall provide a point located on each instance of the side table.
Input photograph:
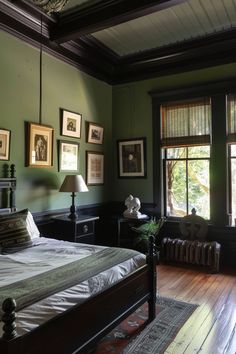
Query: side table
(81, 229)
(125, 234)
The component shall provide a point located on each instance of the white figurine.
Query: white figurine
(133, 205)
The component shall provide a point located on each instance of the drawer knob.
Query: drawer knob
(85, 229)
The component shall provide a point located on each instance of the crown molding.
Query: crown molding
(92, 57)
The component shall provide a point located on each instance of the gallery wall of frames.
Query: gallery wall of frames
(39, 146)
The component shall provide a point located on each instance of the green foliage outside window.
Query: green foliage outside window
(187, 180)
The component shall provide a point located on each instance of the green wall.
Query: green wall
(132, 117)
(125, 111)
(63, 86)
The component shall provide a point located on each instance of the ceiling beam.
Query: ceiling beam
(104, 14)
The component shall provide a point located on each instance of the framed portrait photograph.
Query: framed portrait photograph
(70, 123)
(132, 158)
(94, 168)
(95, 133)
(5, 137)
(40, 145)
(68, 153)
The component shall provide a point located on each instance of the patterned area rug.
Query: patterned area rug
(134, 336)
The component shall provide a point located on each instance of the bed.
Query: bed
(87, 290)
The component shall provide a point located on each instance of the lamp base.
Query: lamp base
(73, 216)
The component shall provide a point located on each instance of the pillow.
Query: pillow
(31, 226)
(14, 235)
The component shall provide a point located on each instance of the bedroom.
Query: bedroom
(124, 110)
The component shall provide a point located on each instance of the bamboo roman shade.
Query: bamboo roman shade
(186, 123)
(231, 118)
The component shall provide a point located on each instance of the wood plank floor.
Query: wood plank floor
(212, 327)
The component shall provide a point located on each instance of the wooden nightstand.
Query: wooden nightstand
(81, 229)
(125, 235)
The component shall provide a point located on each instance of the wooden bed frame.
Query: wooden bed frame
(82, 326)
(7, 189)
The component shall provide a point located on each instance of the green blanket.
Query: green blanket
(33, 289)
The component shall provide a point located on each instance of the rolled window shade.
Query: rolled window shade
(186, 123)
(231, 118)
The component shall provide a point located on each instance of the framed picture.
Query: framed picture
(95, 133)
(40, 145)
(71, 123)
(68, 153)
(132, 158)
(94, 168)
(5, 137)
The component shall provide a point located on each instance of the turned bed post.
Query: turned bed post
(8, 318)
(13, 188)
(151, 261)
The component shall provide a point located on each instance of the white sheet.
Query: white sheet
(48, 254)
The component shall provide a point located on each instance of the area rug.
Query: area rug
(135, 336)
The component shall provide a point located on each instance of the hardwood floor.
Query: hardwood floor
(212, 327)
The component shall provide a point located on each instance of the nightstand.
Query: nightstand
(81, 229)
(125, 234)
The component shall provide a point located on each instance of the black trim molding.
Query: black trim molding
(109, 213)
(68, 37)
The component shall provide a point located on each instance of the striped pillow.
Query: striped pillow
(13, 232)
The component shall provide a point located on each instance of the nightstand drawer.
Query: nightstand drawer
(85, 228)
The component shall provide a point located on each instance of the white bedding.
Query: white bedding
(47, 254)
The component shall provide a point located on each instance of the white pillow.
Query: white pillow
(31, 226)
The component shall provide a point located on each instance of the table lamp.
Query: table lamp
(73, 183)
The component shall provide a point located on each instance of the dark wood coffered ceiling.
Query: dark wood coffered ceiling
(119, 41)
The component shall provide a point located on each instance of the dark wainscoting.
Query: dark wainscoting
(107, 226)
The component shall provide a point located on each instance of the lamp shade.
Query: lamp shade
(73, 183)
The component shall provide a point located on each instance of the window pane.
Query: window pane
(231, 101)
(233, 150)
(233, 188)
(199, 151)
(176, 153)
(176, 188)
(198, 187)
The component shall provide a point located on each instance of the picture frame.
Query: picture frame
(94, 168)
(70, 123)
(5, 139)
(132, 158)
(40, 145)
(68, 154)
(95, 133)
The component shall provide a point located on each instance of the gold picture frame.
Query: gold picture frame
(40, 145)
(94, 168)
(5, 138)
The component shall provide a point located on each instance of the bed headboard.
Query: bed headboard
(7, 190)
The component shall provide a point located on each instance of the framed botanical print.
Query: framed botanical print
(94, 168)
(5, 137)
(70, 123)
(39, 145)
(68, 153)
(132, 158)
(95, 133)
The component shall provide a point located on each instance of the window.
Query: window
(231, 138)
(185, 141)
(187, 180)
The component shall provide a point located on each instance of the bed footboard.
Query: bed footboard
(67, 333)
